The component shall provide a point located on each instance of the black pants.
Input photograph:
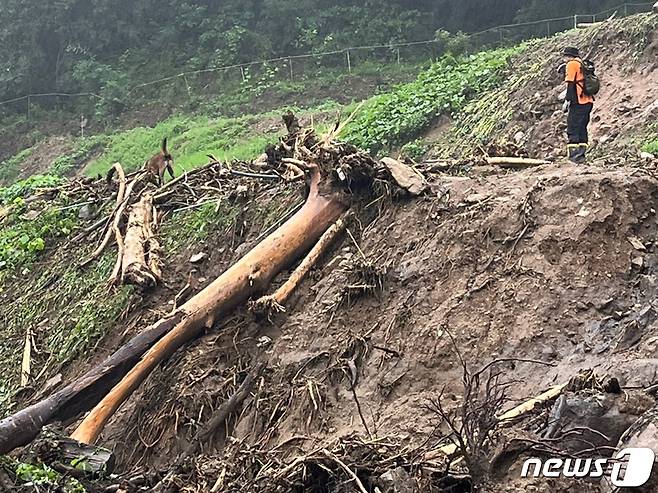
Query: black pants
(577, 122)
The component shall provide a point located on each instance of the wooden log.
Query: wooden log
(79, 396)
(249, 275)
(135, 264)
(518, 411)
(70, 457)
(515, 162)
(275, 302)
(225, 410)
(107, 235)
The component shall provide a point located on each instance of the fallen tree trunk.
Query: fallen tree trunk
(135, 262)
(274, 303)
(82, 394)
(516, 162)
(249, 275)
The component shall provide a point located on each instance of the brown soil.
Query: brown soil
(535, 264)
(557, 264)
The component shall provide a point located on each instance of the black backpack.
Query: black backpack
(592, 83)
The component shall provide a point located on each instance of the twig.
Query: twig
(356, 479)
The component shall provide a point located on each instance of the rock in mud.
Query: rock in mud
(642, 433)
(86, 212)
(198, 258)
(405, 176)
(396, 481)
(602, 418)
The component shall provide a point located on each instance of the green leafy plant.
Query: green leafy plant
(396, 117)
(23, 239)
(24, 188)
(414, 150)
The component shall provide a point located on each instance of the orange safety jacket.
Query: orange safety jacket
(574, 74)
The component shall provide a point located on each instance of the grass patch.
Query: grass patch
(190, 139)
(11, 168)
(195, 225)
(69, 311)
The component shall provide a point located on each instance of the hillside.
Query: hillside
(430, 317)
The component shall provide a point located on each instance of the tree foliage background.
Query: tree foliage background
(105, 45)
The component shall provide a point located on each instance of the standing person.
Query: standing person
(578, 104)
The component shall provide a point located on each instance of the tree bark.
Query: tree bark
(515, 162)
(136, 263)
(82, 394)
(268, 304)
(248, 276)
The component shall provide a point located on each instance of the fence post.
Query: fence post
(349, 62)
(575, 21)
(625, 10)
(291, 74)
(187, 86)
(548, 29)
(244, 79)
(398, 56)
(28, 107)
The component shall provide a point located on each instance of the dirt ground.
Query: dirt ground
(553, 270)
(534, 264)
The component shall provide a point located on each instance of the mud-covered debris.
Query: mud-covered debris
(642, 433)
(396, 481)
(405, 176)
(637, 243)
(589, 419)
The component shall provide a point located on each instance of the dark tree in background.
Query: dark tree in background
(75, 45)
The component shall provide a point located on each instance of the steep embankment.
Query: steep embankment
(555, 264)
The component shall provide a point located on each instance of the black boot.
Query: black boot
(573, 151)
(582, 151)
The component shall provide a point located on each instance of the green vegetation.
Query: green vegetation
(23, 235)
(414, 150)
(651, 142)
(190, 139)
(84, 149)
(194, 225)
(22, 240)
(40, 477)
(10, 169)
(23, 188)
(394, 118)
(68, 311)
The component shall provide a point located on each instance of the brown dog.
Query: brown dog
(159, 163)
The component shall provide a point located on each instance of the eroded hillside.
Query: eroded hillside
(428, 314)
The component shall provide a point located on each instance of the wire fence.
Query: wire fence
(209, 82)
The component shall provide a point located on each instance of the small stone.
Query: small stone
(638, 263)
(198, 258)
(637, 243)
(86, 212)
(264, 341)
(518, 137)
(647, 156)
